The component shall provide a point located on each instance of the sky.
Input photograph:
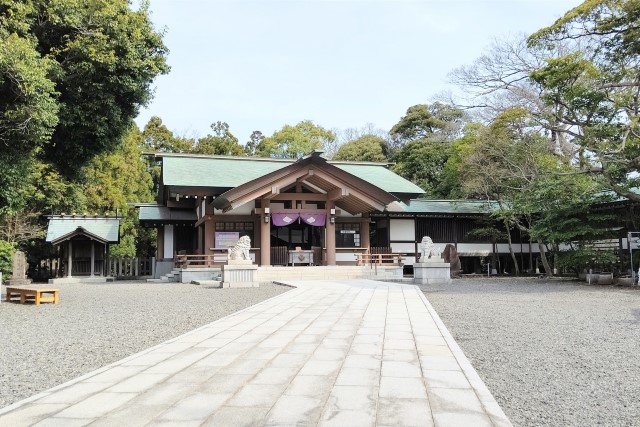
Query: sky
(260, 65)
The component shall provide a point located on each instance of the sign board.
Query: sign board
(226, 239)
(634, 240)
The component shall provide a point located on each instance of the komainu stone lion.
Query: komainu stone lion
(241, 249)
(428, 250)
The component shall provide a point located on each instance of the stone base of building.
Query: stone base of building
(427, 273)
(239, 276)
(80, 279)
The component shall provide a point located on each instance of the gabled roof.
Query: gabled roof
(159, 214)
(350, 192)
(65, 227)
(451, 206)
(182, 170)
(424, 206)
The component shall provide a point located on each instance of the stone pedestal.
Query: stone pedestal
(432, 272)
(239, 275)
(19, 276)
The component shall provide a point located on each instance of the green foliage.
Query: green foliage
(425, 134)
(158, 138)
(428, 121)
(422, 163)
(584, 258)
(112, 181)
(6, 253)
(367, 148)
(100, 56)
(293, 142)
(222, 142)
(592, 92)
(451, 177)
(255, 139)
(28, 113)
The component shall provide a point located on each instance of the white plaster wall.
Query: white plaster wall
(346, 256)
(402, 229)
(168, 241)
(403, 247)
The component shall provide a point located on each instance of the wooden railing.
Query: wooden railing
(380, 259)
(196, 261)
(130, 267)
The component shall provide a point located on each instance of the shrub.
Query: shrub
(6, 253)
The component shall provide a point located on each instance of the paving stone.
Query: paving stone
(257, 395)
(275, 375)
(310, 386)
(358, 376)
(198, 406)
(446, 379)
(409, 388)
(404, 412)
(295, 410)
(320, 367)
(454, 400)
(455, 419)
(63, 422)
(96, 405)
(400, 369)
(330, 354)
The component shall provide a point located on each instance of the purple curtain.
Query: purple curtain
(282, 219)
(315, 219)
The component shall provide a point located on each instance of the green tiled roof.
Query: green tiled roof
(450, 206)
(104, 228)
(163, 213)
(230, 172)
(381, 177)
(215, 171)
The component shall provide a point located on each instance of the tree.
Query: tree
(222, 142)
(292, 142)
(158, 138)
(255, 139)
(100, 57)
(511, 165)
(424, 136)
(597, 88)
(28, 112)
(436, 122)
(112, 181)
(367, 148)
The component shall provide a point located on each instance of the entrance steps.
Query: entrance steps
(332, 272)
(172, 276)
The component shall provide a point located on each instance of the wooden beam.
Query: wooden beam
(338, 193)
(275, 190)
(309, 197)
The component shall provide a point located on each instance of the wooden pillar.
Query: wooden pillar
(93, 257)
(69, 258)
(330, 230)
(365, 234)
(265, 236)
(209, 236)
(160, 242)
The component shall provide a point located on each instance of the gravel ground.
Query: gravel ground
(553, 353)
(97, 324)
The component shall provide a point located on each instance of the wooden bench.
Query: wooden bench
(33, 294)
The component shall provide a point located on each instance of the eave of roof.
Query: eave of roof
(225, 172)
(378, 198)
(104, 229)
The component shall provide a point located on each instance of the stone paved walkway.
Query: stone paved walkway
(340, 353)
